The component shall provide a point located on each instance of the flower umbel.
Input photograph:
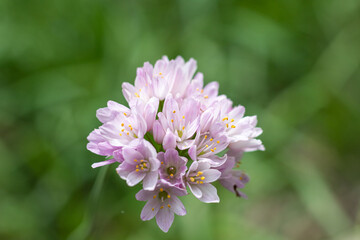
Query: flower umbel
(176, 137)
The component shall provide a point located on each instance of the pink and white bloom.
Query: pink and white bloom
(140, 164)
(232, 179)
(177, 134)
(199, 179)
(162, 203)
(181, 120)
(125, 128)
(208, 144)
(173, 167)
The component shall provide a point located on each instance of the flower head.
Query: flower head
(177, 136)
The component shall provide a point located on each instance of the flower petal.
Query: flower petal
(195, 190)
(103, 163)
(177, 206)
(144, 195)
(150, 209)
(211, 175)
(164, 218)
(158, 132)
(150, 180)
(134, 178)
(209, 193)
(169, 140)
(130, 154)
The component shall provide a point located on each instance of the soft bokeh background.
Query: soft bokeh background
(295, 64)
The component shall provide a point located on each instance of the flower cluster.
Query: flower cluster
(176, 135)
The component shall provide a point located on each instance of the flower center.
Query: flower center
(171, 171)
(197, 178)
(141, 165)
(163, 195)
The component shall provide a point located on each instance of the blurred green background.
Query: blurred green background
(295, 64)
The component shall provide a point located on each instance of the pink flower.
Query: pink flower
(140, 163)
(233, 179)
(180, 120)
(198, 179)
(162, 203)
(173, 167)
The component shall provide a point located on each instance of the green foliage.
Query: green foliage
(293, 63)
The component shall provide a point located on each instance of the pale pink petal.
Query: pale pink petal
(158, 132)
(164, 218)
(150, 209)
(150, 180)
(209, 193)
(103, 163)
(134, 178)
(144, 195)
(169, 140)
(177, 206)
(131, 154)
(211, 175)
(195, 190)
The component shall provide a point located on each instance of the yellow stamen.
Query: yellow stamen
(205, 137)
(122, 124)
(206, 96)
(135, 160)
(162, 162)
(152, 209)
(211, 139)
(201, 182)
(202, 90)
(225, 118)
(122, 130)
(227, 125)
(127, 133)
(217, 141)
(202, 178)
(174, 111)
(192, 179)
(169, 206)
(233, 126)
(212, 150)
(206, 145)
(183, 117)
(161, 207)
(232, 120)
(137, 95)
(199, 172)
(154, 196)
(168, 196)
(197, 182)
(171, 175)
(137, 170)
(120, 134)
(183, 128)
(125, 114)
(172, 120)
(161, 190)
